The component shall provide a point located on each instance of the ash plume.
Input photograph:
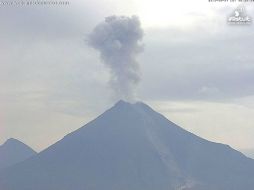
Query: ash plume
(118, 39)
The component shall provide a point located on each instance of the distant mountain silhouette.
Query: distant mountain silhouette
(13, 152)
(132, 147)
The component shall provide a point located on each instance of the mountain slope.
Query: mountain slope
(13, 152)
(131, 147)
(248, 152)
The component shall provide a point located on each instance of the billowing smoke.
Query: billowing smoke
(118, 39)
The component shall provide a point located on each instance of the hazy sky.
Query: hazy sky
(195, 68)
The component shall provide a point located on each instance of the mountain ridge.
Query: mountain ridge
(132, 147)
(13, 151)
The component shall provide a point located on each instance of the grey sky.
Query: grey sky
(196, 70)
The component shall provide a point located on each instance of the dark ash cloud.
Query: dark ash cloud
(118, 39)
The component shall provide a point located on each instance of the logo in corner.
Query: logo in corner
(239, 17)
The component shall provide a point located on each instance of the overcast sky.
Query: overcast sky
(195, 68)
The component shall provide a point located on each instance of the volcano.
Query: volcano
(132, 147)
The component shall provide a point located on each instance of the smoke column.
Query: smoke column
(118, 39)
